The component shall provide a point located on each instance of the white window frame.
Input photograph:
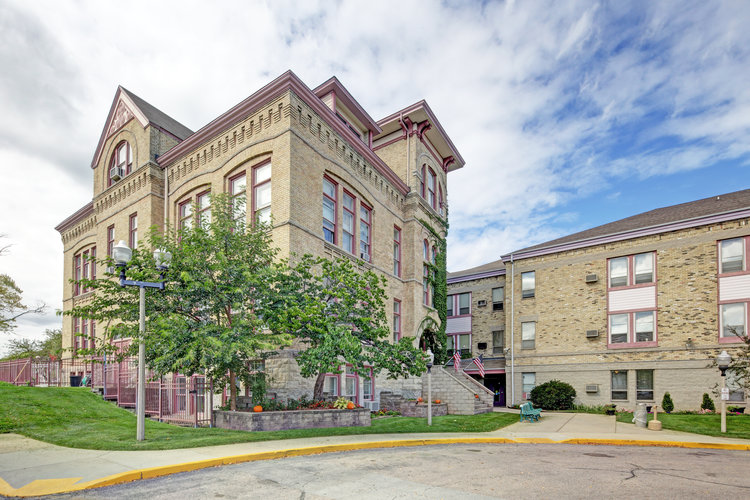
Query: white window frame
(528, 335)
(721, 320)
(528, 382)
(526, 291)
(742, 256)
(612, 385)
(498, 305)
(639, 390)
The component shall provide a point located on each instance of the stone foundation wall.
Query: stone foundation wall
(458, 391)
(409, 408)
(284, 420)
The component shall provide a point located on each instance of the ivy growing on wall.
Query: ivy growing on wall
(433, 335)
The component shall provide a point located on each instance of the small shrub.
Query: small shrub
(708, 403)
(666, 403)
(736, 409)
(341, 403)
(553, 395)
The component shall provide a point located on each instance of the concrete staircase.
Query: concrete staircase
(462, 394)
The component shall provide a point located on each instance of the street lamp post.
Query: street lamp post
(122, 254)
(723, 360)
(430, 360)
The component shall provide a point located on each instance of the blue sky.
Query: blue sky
(568, 114)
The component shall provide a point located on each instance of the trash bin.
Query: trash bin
(75, 380)
(640, 416)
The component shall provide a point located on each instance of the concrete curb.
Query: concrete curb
(41, 487)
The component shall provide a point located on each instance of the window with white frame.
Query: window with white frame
(121, 162)
(347, 223)
(619, 385)
(498, 342)
(528, 335)
(733, 320)
(431, 188)
(459, 304)
(185, 214)
(732, 254)
(528, 284)
(528, 382)
(631, 270)
(365, 233)
(133, 231)
(262, 193)
(110, 240)
(238, 193)
(367, 392)
(331, 385)
(396, 320)
(460, 341)
(632, 327)
(203, 206)
(329, 211)
(498, 296)
(397, 251)
(644, 385)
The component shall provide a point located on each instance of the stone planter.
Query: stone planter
(297, 419)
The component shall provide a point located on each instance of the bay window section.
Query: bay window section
(262, 193)
(347, 223)
(431, 199)
(329, 211)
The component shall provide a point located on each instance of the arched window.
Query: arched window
(425, 273)
(441, 204)
(121, 163)
(431, 195)
(422, 180)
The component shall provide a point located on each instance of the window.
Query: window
(331, 385)
(623, 326)
(186, 214)
(736, 392)
(459, 304)
(77, 274)
(76, 331)
(367, 392)
(498, 296)
(93, 263)
(631, 270)
(110, 240)
(619, 385)
(238, 193)
(498, 342)
(528, 382)
(84, 334)
(644, 385)
(422, 181)
(528, 284)
(462, 342)
(329, 211)
(441, 209)
(262, 193)
(396, 320)
(397, 251)
(86, 262)
(92, 335)
(425, 273)
(644, 326)
(732, 255)
(121, 163)
(203, 205)
(133, 231)
(618, 328)
(350, 384)
(347, 224)
(431, 181)
(733, 320)
(365, 215)
(528, 334)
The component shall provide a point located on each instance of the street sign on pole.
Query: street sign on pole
(725, 393)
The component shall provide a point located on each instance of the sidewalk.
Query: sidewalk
(30, 468)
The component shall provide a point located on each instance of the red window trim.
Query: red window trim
(335, 209)
(366, 222)
(113, 159)
(423, 180)
(110, 240)
(354, 221)
(397, 255)
(93, 263)
(133, 230)
(631, 272)
(198, 210)
(76, 331)
(230, 187)
(720, 317)
(457, 305)
(395, 314)
(745, 259)
(255, 184)
(431, 194)
(181, 219)
(631, 343)
(77, 274)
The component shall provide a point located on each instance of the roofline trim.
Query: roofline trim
(633, 233)
(475, 276)
(137, 113)
(286, 82)
(333, 84)
(77, 217)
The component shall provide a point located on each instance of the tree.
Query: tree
(666, 403)
(338, 313)
(50, 346)
(11, 303)
(209, 318)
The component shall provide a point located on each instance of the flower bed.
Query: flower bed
(291, 419)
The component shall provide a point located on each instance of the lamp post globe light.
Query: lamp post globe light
(723, 360)
(430, 361)
(122, 254)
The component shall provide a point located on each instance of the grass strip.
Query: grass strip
(738, 426)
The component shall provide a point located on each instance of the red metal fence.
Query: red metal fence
(172, 398)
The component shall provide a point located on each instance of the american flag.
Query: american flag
(457, 360)
(480, 364)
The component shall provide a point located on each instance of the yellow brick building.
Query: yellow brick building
(624, 312)
(334, 181)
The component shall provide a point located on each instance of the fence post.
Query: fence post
(211, 404)
(161, 382)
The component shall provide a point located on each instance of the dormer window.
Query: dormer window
(121, 163)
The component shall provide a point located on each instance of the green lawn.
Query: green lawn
(738, 426)
(75, 417)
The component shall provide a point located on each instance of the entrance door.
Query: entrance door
(496, 383)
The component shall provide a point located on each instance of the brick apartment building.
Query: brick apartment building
(335, 182)
(624, 312)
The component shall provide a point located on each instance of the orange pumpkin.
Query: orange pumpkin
(437, 401)
(257, 408)
(419, 400)
(349, 405)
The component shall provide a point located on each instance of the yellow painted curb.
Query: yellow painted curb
(66, 485)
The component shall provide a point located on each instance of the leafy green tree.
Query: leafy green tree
(337, 312)
(553, 395)
(50, 346)
(209, 318)
(11, 301)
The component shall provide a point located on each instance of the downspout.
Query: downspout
(166, 198)
(512, 333)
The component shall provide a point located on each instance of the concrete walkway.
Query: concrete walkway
(30, 468)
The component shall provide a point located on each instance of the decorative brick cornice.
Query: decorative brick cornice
(79, 215)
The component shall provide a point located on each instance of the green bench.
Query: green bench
(529, 413)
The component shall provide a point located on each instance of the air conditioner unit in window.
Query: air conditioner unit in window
(371, 405)
(365, 257)
(592, 387)
(481, 303)
(590, 334)
(115, 173)
(592, 278)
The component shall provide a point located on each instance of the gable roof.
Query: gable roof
(126, 106)
(496, 268)
(691, 214)
(334, 85)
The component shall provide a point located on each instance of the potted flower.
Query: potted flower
(610, 409)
